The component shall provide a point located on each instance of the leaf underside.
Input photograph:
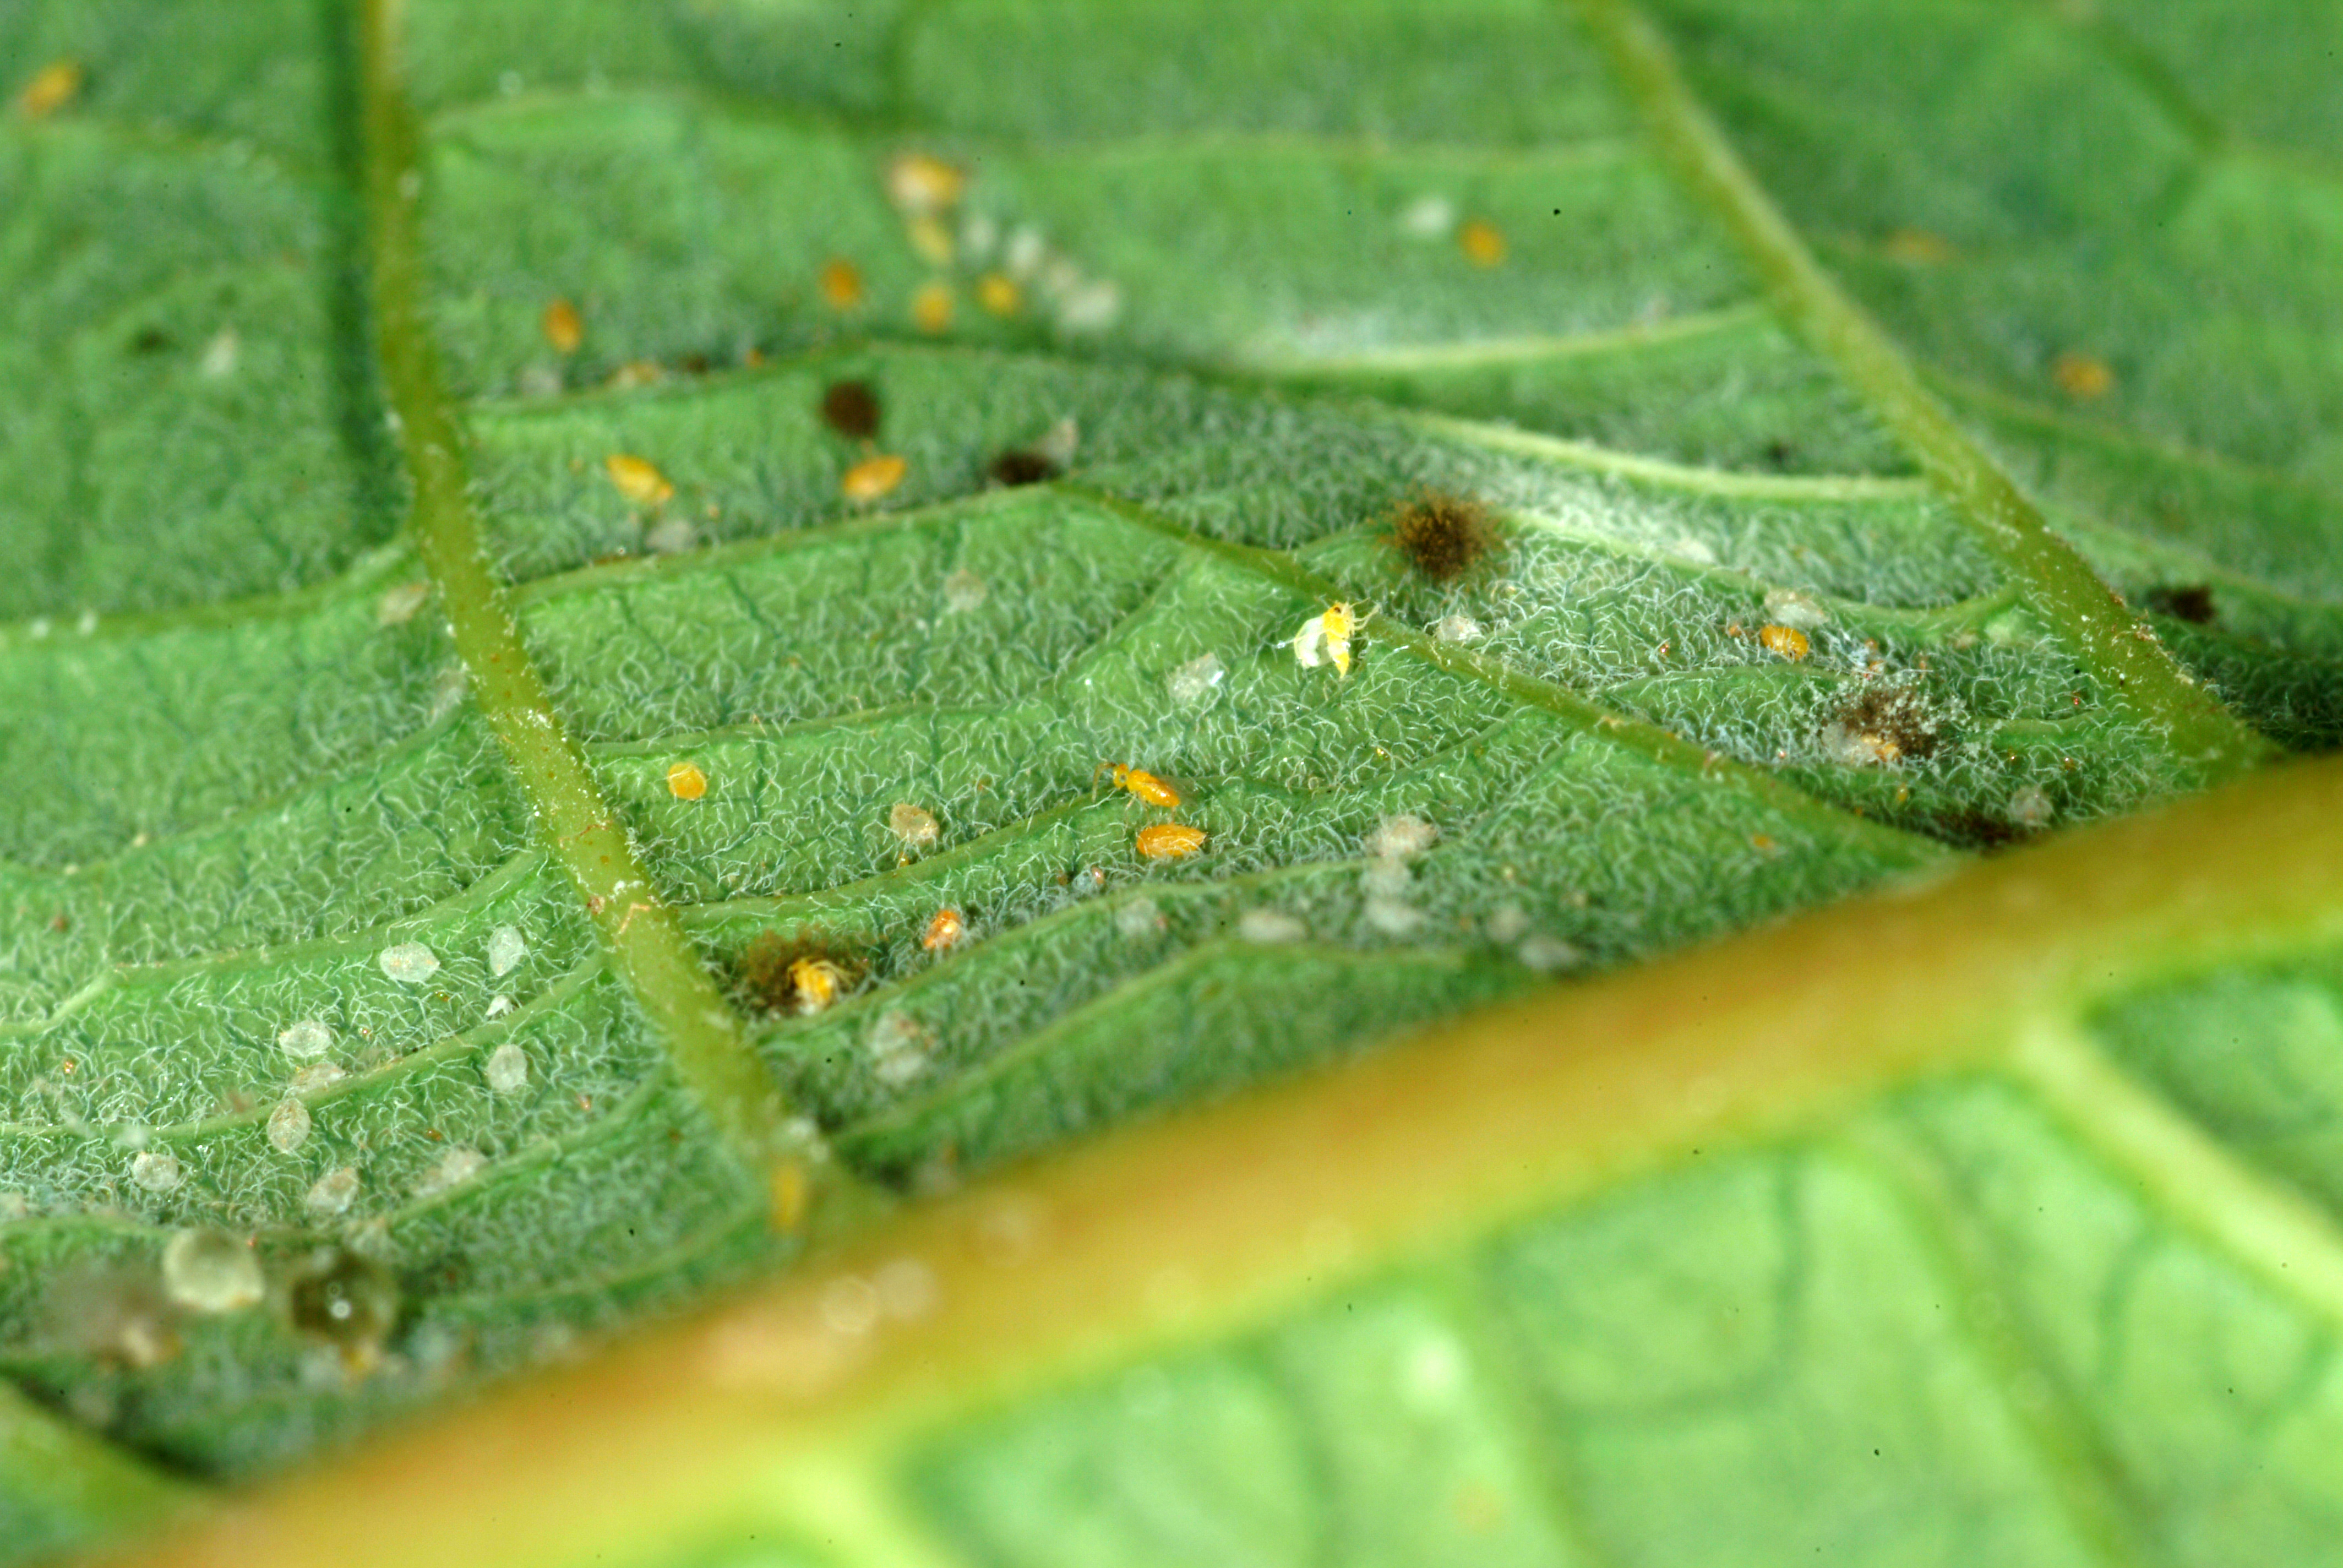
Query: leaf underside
(1277, 275)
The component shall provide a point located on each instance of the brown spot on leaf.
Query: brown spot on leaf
(771, 972)
(850, 408)
(1019, 467)
(1444, 535)
(2191, 602)
(1886, 721)
(2083, 377)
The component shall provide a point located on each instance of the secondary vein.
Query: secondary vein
(584, 834)
(2105, 638)
(1893, 846)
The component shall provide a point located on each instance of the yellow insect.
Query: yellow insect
(920, 183)
(842, 284)
(686, 782)
(1917, 247)
(1481, 242)
(1785, 642)
(944, 930)
(871, 478)
(816, 983)
(1326, 637)
(931, 305)
(638, 479)
(932, 239)
(1170, 840)
(2082, 377)
(1144, 785)
(53, 86)
(914, 826)
(999, 293)
(788, 1192)
(563, 326)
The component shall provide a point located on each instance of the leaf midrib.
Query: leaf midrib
(1483, 1121)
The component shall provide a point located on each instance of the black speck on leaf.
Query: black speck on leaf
(1019, 467)
(851, 409)
(2191, 602)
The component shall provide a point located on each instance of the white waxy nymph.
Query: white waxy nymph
(914, 826)
(1139, 919)
(410, 963)
(206, 1271)
(1396, 838)
(456, 1166)
(156, 1170)
(288, 1126)
(1090, 306)
(398, 606)
(1193, 681)
(1386, 878)
(673, 537)
(1548, 955)
(1428, 218)
(963, 591)
(898, 1049)
(334, 1193)
(1798, 611)
(306, 1040)
(1270, 925)
(507, 1069)
(319, 1075)
(1509, 923)
(506, 946)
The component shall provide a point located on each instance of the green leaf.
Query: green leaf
(417, 808)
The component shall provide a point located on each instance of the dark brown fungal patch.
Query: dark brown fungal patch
(2191, 602)
(1019, 467)
(850, 408)
(771, 972)
(1444, 535)
(1885, 721)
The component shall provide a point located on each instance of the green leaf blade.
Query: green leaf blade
(1768, 1221)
